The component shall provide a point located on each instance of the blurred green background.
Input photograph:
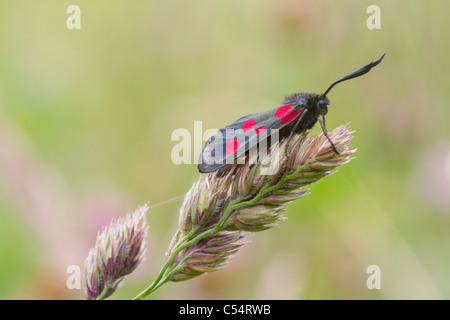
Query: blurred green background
(86, 118)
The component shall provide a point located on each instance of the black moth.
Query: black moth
(298, 113)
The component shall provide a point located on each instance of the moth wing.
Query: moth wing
(234, 141)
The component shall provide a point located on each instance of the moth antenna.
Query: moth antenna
(355, 74)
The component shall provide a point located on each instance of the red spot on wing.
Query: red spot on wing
(290, 116)
(248, 125)
(261, 130)
(232, 147)
(283, 110)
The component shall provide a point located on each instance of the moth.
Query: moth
(299, 112)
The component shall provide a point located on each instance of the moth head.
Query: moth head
(322, 105)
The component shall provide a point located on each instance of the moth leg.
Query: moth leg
(325, 132)
(286, 151)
